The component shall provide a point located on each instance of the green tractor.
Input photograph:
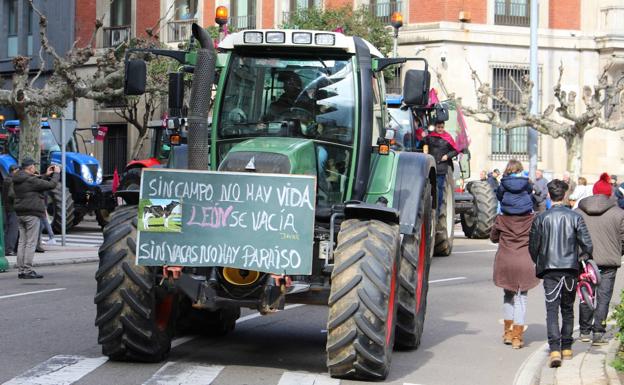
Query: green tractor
(290, 102)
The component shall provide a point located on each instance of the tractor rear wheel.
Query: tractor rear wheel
(478, 222)
(413, 286)
(55, 212)
(446, 219)
(135, 317)
(131, 179)
(362, 301)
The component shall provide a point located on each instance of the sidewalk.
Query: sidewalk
(590, 365)
(59, 255)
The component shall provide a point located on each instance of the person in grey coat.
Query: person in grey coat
(29, 189)
(605, 222)
(540, 191)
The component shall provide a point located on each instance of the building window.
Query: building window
(243, 14)
(297, 5)
(512, 12)
(12, 24)
(120, 23)
(29, 48)
(179, 29)
(507, 144)
(384, 9)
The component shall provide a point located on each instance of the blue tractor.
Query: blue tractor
(84, 191)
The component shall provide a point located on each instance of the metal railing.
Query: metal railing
(512, 12)
(243, 22)
(384, 10)
(179, 30)
(113, 36)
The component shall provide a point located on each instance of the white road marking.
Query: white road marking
(296, 378)
(58, 370)
(474, 251)
(182, 340)
(174, 373)
(447, 279)
(30, 292)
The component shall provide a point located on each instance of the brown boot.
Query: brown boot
(516, 336)
(507, 330)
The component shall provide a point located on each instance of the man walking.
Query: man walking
(605, 222)
(554, 240)
(29, 206)
(10, 218)
(540, 191)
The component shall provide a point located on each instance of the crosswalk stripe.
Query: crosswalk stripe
(297, 378)
(58, 370)
(184, 373)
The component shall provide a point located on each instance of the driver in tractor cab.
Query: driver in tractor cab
(293, 96)
(441, 145)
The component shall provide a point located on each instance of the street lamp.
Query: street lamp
(396, 20)
(221, 18)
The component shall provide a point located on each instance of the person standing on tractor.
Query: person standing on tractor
(605, 222)
(555, 238)
(10, 218)
(30, 207)
(442, 147)
(514, 271)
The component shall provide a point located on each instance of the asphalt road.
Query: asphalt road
(48, 337)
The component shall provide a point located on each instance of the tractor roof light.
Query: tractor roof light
(252, 37)
(325, 39)
(221, 15)
(302, 38)
(275, 37)
(396, 20)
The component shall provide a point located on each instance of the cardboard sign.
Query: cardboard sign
(262, 222)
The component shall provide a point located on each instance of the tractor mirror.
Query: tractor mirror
(416, 88)
(135, 77)
(176, 92)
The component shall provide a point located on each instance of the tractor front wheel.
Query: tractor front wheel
(478, 222)
(131, 179)
(362, 301)
(135, 317)
(55, 206)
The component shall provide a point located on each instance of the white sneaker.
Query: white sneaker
(51, 242)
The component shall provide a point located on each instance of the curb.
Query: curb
(612, 375)
(530, 371)
(58, 262)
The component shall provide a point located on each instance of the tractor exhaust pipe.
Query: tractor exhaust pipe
(201, 90)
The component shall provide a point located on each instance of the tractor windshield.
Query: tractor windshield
(295, 97)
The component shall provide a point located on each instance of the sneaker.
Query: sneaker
(585, 337)
(555, 359)
(566, 354)
(32, 275)
(10, 254)
(39, 249)
(51, 242)
(599, 339)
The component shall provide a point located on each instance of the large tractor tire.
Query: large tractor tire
(446, 220)
(205, 322)
(55, 212)
(478, 222)
(416, 252)
(103, 217)
(362, 301)
(131, 179)
(135, 317)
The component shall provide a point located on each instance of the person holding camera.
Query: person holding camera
(29, 191)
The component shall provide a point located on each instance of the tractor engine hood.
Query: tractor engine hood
(272, 155)
(85, 167)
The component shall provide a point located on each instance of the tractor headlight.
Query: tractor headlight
(86, 173)
(98, 177)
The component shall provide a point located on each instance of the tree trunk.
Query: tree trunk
(30, 132)
(574, 148)
(139, 143)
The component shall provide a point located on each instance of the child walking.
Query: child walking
(554, 241)
(514, 271)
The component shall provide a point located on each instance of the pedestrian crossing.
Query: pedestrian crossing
(68, 369)
(78, 239)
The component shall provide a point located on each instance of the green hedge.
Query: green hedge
(618, 316)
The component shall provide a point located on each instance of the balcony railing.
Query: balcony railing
(179, 30)
(243, 22)
(384, 10)
(113, 36)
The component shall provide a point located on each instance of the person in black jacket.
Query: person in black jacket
(442, 147)
(554, 241)
(10, 218)
(29, 206)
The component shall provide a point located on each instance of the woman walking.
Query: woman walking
(514, 271)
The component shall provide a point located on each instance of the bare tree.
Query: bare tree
(572, 126)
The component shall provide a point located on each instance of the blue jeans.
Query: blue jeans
(440, 181)
(596, 320)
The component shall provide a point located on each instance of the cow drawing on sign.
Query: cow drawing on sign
(158, 211)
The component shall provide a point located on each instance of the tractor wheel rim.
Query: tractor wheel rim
(389, 319)
(163, 312)
(450, 220)
(422, 248)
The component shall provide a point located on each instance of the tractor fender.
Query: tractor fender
(142, 163)
(362, 210)
(6, 161)
(413, 170)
